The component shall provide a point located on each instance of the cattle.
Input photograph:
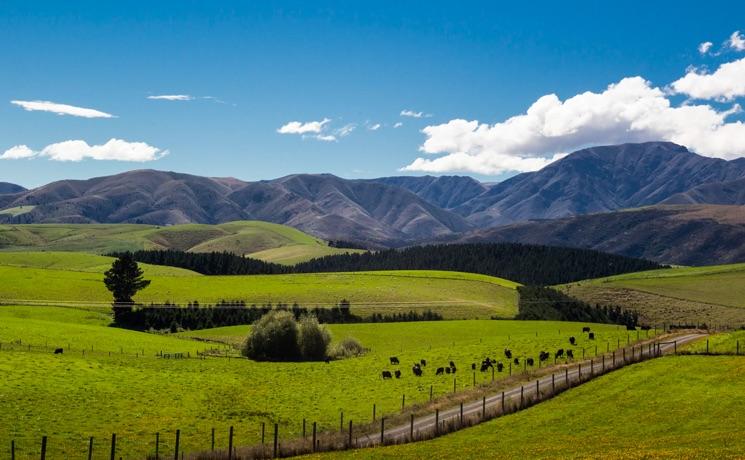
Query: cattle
(500, 366)
(453, 369)
(417, 370)
(440, 371)
(630, 327)
(543, 356)
(327, 360)
(570, 354)
(508, 353)
(530, 362)
(58, 351)
(386, 375)
(452, 364)
(517, 361)
(559, 353)
(447, 370)
(397, 374)
(646, 328)
(473, 366)
(423, 362)
(394, 360)
(585, 329)
(485, 367)
(592, 336)
(573, 340)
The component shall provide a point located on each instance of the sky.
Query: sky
(259, 90)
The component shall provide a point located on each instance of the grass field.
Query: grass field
(711, 295)
(17, 211)
(61, 278)
(726, 343)
(264, 240)
(686, 407)
(72, 396)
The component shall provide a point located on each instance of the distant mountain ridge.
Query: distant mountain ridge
(6, 188)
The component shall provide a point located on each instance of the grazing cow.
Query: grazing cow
(327, 360)
(453, 369)
(452, 364)
(630, 327)
(508, 353)
(570, 354)
(423, 362)
(529, 362)
(387, 375)
(543, 356)
(646, 328)
(559, 353)
(500, 366)
(473, 366)
(440, 371)
(417, 370)
(397, 374)
(394, 360)
(592, 336)
(484, 367)
(572, 340)
(585, 329)
(58, 351)
(447, 370)
(517, 361)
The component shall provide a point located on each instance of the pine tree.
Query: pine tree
(124, 279)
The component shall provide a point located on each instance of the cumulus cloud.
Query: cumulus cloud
(298, 127)
(346, 130)
(398, 125)
(172, 97)
(325, 137)
(736, 41)
(61, 109)
(725, 84)
(78, 150)
(413, 114)
(704, 47)
(17, 152)
(374, 127)
(631, 110)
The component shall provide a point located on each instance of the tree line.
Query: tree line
(526, 264)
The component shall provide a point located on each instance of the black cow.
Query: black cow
(473, 366)
(530, 362)
(646, 328)
(630, 327)
(585, 329)
(327, 360)
(508, 353)
(559, 353)
(452, 364)
(440, 371)
(500, 366)
(572, 340)
(447, 370)
(397, 374)
(417, 370)
(517, 361)
(394, 360)
(423, 362)
(570, 354)
(387, 375)
(543, 356)
(592, 336)
(58, 351)
(453, 369)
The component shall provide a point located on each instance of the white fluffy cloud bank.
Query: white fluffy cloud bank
(172, 97)
(61, 109)
(77, 150)
(631, 110)
(299, 127)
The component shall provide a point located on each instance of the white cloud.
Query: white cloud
(736, 41)
(374, 127)
(704, 47)
(297, 127)
(61, 109)
(725, 84)
(413, 114)
(113, 150)
(346, 130)
(172, 97)
(325, 137)
(398, 125)
(17, 152)
(629, 111)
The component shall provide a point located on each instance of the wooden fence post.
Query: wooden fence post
(492, 374)
(341, 422)
(437, 422)
(430, 393)
(349, 442)
(522, 389)
(461, 414)
(566, 376)
(113, 446)
(454, 386)
(553, 383)
(411, 428)
(43, 448)
(304, 437)
(503, 403)
(276, 439)
(403, 402)
(230, 443)
(178, 439)
(13, 449)
(90, 449)
(212, 444)
(483, 408)
(537, 389)
(374, 408)
(314, 436)
(382, 431)
(263, 432)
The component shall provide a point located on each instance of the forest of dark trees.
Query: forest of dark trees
(193, 316)
(526, 264)
(543, 303)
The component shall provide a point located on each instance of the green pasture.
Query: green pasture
(726, 343)
(75, 395)
(18, 210)
(685, 407)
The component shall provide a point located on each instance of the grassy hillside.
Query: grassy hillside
(18, 210)
(95, 394)
(77, 278)
(255, 238)
(712, 295)
(674, 407)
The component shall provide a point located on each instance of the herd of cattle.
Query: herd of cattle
(489, 363)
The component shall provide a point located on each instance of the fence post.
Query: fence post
(403, 402)
(510, 367)
(483, 407)
(522, 389)
(411, 428)
(382, 431)
(374, 407)
(314, 436)
(553, 383)
(461, 414)
(503, 403)
(537, 388)
(212, 444)
(157, 446)
(707, 346)
(341, 422)
(113, 446)
(43, 447)
(492, 374)
(230, 443)
(454, 385)
(437, 422)
(13, 450)
(350, 435)
(178, 439)
(276, 440)
(603, 364)
(675, 344)
(474, 377)
(566, 376)
(592, 367)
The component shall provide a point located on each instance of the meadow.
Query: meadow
(132, 392)
(63, 278)
(710, 295)
(262, 240)
(682, 407)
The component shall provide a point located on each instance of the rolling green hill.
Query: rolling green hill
(76, 278)
(713, 294)
(685, 407)
(263, 240)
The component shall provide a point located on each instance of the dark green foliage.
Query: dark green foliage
(313, 339)
(274, 337)
(543, 303)
(124, 279)
(209, 263)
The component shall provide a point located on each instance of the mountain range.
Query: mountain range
(580, 200)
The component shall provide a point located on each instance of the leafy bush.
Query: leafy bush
(274, 337)
(347, 348)
(313, 339)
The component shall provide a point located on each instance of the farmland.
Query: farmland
(711, 295)
(134, 393)
(649, 410)
(263, 240)
(77, 278)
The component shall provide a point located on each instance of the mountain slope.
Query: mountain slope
(446, 192)
(6, 188)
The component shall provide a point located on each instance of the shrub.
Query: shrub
(274, 337)
(347, 348)
(313, 339)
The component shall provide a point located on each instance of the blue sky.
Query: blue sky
(253, 67)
